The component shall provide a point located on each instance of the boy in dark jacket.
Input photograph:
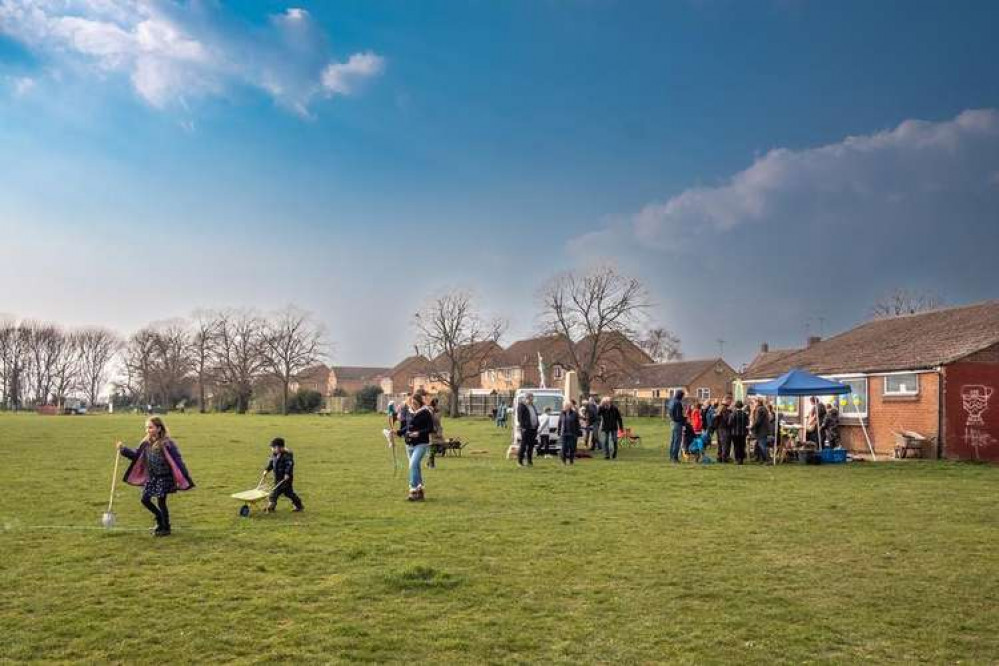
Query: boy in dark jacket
(282, 463)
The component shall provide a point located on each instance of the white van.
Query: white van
(542, 398)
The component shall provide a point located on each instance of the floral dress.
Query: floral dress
(160, 483)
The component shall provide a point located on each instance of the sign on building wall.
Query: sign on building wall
(971, 411)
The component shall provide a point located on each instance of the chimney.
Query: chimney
(764, 348)
(812, 339)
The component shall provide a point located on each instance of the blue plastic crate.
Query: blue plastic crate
(833, 455)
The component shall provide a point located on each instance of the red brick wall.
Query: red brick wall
(719, 383)
(970, 435)
(889, 413)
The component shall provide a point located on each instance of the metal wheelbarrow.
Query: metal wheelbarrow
(254, 496)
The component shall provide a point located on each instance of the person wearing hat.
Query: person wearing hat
(282, 463)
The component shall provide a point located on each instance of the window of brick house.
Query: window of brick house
(901, 384)
(703, 393)
(853, 404)
(558, 372)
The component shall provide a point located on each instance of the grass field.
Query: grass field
(632, 561)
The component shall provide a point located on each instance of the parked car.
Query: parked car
(552, 398)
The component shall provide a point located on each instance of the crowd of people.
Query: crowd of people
(733, 424)
(598, 424)
(157, 465)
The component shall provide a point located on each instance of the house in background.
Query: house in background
(315, 378)
(620, 360)
(400, 378)
(768, 356)
(936, 373)
(432, 378)
(352, 379)
(703, 379)
(518, 364)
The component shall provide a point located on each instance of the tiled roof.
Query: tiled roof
(673, 374)
(357, 373)
(553, 349)
(910, 342)
(764, 359)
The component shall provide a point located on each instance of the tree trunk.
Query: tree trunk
(201, 395)
(453, 403)
(284, 403)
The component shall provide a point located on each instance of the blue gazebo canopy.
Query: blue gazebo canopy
(799, 382)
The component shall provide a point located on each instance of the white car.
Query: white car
(542, 398)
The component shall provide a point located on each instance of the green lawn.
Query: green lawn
(633, 561)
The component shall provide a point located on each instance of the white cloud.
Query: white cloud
(852, 177)
(173, 52)
(22, 85)
(343, 78)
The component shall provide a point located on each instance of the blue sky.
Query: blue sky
(767, 168)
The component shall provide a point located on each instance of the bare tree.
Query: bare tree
(239, 352)
(43, 345)
(13, 345)
(900, 302)
(98, 347)
(172, 343)
(66, 371)
(452, 333)
(140, 366)
(661, 345)
(601, 309)
(202, 345)
(291, 343)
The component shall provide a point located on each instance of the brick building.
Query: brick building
(431, 378)
(400, 378)
(703, 379)
(618, 359)
(935, 373)
(315, 378)
(353, 378)
(517, 366)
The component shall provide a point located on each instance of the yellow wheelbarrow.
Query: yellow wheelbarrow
(254, 496)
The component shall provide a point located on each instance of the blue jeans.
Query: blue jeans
(676, 439)
(415, 454)
(762, 443)
(610, 443)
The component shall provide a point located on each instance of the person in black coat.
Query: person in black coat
(678, 418)
(527, 422)
(721, 423)
(419, 426)
(761, 427)
(282, 463)
(611, 422)
(569, 432)
(739, 430)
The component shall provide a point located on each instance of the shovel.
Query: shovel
(108, 519)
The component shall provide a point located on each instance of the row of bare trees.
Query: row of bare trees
(227, 352)
(43, 364)
(601, 306)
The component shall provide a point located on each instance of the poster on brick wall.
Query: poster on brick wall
(971, 411)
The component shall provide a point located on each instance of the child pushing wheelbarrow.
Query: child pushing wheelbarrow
(282, 463)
